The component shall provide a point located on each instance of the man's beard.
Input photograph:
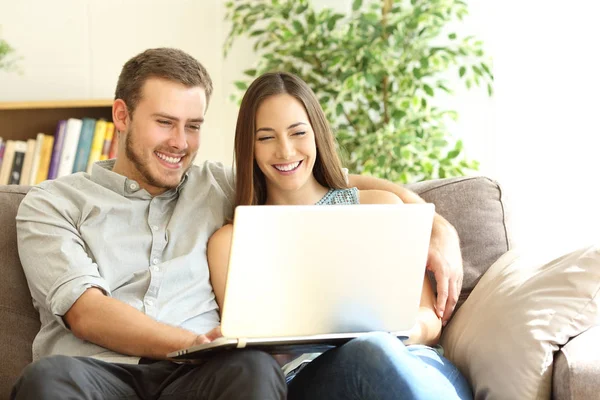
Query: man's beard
(142, 165)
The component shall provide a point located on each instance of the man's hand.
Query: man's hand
(208, 336)
(445, 261)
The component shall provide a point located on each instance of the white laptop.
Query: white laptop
(306, 278)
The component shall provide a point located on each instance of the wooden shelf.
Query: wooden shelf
(24, 120)
(24, 105)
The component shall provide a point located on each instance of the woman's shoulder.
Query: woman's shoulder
(222, 235)
(378, 197)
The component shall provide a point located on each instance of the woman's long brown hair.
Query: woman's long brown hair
(251, 187)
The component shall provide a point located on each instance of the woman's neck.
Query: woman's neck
(308, 194)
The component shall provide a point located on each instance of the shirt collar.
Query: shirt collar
(103, 175)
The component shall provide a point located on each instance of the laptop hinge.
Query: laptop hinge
(241, 343)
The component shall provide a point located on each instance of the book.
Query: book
(108, 138)
(2, 145)
(69, 150)
(59, 140)
(7, 162)
(18, 159)
(39, 140)
(97, 144)
(84, 145)
(45, 156)
(27, 162)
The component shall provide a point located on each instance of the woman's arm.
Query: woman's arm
(218, 260)
(444, 259)
(428, 328)
(378, 197)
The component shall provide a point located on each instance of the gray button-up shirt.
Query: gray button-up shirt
(102, 230)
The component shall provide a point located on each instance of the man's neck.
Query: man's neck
(122, 168)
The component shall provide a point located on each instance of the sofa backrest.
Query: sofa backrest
(19, 321)
(476, 207)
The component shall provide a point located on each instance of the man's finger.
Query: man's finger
(451, 302)
(202, 339)
(442, 295)
(214, 334)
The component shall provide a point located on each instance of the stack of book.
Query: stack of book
(75, 146)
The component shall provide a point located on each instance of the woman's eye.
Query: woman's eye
(299, 133)
(263, 138)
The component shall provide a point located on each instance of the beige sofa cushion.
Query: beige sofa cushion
(525, 306)
(19, 320)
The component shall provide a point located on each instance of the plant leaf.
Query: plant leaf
(241, 85)
(428, 89)
(298, 26)
(356, 5)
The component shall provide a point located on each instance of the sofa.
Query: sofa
(476, 206)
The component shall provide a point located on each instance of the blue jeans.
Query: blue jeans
(378, 366)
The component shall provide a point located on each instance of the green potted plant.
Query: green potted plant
(7, 60)
(375, 72)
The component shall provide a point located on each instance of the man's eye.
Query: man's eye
(164, 122)
(194, 127)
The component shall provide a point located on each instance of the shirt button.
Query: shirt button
(154, 227)
(149, 302)
(132, 186)
(155, 261)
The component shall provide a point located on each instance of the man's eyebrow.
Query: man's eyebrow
(173, 118)
(292, 126)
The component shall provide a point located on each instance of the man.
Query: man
(116, 260)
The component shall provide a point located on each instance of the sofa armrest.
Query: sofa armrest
(576, 373)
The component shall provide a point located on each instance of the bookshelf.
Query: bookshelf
(48, 139)
(24, 120)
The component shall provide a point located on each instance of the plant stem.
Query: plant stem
(387, 6)
(350, 122)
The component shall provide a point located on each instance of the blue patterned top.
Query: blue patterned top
(339, 196)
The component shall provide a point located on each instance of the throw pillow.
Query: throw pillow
(523, 308)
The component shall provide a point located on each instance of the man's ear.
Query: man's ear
(120, 115)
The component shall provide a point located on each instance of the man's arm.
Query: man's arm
(64, 281)
(444, 258)
(117, 326)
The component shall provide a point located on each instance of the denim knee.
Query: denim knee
(375, 348)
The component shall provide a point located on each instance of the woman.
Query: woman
(285, 154)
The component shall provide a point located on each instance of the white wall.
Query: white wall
(538, 136)
(74, 49)
(547, 133)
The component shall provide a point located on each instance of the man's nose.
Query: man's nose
(178, 139)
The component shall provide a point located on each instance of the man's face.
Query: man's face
(163, 135)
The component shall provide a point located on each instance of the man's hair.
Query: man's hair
(251, 187)
(165, 63)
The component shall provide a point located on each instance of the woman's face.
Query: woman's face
(284, 145)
